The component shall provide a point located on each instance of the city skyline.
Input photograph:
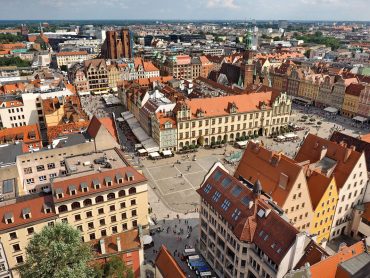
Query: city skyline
(186, 10)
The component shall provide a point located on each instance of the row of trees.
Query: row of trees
(9, 38)
(58, 251)
(13, 61)
(319, 39)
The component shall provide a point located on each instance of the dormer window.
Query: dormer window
(119, 178)
(130, 176)
(233, 108)
(26, 213)
(108, 181)
(84, 187)
(59, 193)
(9, 218)
(46, 207)
(72, 190)
(96, 184)
(200, 113)
(167, 125)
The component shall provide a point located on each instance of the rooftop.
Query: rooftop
(167, 265)
(97, 162)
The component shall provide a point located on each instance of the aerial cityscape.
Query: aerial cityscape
(210, 138)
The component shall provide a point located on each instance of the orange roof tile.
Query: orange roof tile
(218, 106)
(167, 265)
(129, 241)
(256, 164)
(110, 126)
(100, 176)
(35, 205)
(29, 134)
(344, 157)
(366, 137)
(329, 265)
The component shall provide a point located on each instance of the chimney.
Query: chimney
(323, 152)
(102, 246)
(119, 248)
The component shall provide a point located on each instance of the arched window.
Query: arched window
(111, 196)
(99, 199)
(132, 190)
(76, 205)
(87, 202)
(62, 208)
(121, 193)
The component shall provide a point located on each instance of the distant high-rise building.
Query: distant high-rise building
(118, 44)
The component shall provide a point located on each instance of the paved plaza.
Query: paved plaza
(94, 105)
(174, 180)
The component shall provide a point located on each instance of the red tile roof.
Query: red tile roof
(129, 241)
(270, 232)
(34, 204)
(63, 184)
(312, 255)
(167, 265)
(29, 134)
(256, 164)
(344, 157)
(109, 124)
(329, 265)
(354, 89)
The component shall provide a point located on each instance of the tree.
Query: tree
(57, 251)
(13, 61)
(114, 268)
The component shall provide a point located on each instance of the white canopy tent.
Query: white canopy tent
(120, 120)
(281, 137)
(154, 155)
(242, 143)
(142, 151)
(360, 119)
(290, 135)
(331, 110)
(167, 153)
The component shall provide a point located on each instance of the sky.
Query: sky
(187, 9)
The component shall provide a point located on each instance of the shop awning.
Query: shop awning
(154, 155)
(167, 153)
(331, 110)
(360, 119)
(242, 143)
(142, 151)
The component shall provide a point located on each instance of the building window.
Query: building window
(133, 213)
(113, 219)
(89, 214)
(13, 235)
(102, 222)
(133, 202)
(112, 208)
(40, 168)
(101, 211)
(134, 223)
(19, 259)
(27, 170)
(103, 233)
(92, 236)
(30, 230)
(90, 225)
(114, 229)
(16, 248)
(77, 217)
(124, 226)
(124, 216)
(51, 165)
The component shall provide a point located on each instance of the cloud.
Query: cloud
(222, 4)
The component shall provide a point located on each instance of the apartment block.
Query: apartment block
(70, 58)
(101, 195)
(242, 232)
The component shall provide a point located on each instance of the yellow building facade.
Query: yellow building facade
(324, 205)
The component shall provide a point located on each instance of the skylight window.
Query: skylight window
(279, 251)
(261, 213)
(226, 182)
(266, 237)
(207, 188)
(246, 200)
(273, 245)
(217, 176)
(225, 205)
(261, 233)
(236, 191)
(216, 196)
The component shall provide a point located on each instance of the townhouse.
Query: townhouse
(242, 232)
(347, 166)
(164, 131)
(352, 94)
(282, 178)
(97, 74)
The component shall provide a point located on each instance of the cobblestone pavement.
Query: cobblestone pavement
(94, 105)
